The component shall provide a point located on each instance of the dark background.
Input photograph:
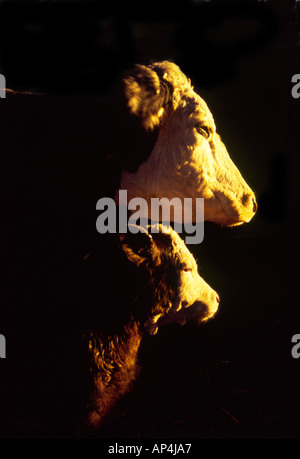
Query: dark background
(233, 377)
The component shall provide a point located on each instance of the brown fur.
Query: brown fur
(157, 285)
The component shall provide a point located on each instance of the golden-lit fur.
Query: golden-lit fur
(189, 159)
(166, 287)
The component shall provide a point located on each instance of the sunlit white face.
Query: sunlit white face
(189, 160)
(192, 161)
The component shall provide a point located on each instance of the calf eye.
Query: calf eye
(203, 130)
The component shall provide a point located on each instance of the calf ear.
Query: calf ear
(146, 95)
(139, 247)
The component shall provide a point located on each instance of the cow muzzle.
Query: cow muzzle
(247, 208)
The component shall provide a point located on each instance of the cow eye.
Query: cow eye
(186, 269)
(203, 130)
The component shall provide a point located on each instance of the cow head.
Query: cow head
(189, 159)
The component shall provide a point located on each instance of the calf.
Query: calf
(159, 284)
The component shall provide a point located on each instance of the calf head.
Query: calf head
(179, 293)
(189, 159)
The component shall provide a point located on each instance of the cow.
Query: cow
(150, 134)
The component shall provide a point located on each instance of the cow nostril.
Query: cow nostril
(248, 200)
(218, 299)
(254, 205)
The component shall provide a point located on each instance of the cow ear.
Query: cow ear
(139, 245)
(146, 95)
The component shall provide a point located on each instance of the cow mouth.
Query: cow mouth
(197, 312)
(232, 225)
(227, 221)
(232, 213)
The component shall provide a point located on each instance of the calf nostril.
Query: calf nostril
(218, 299)
(254, 205)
